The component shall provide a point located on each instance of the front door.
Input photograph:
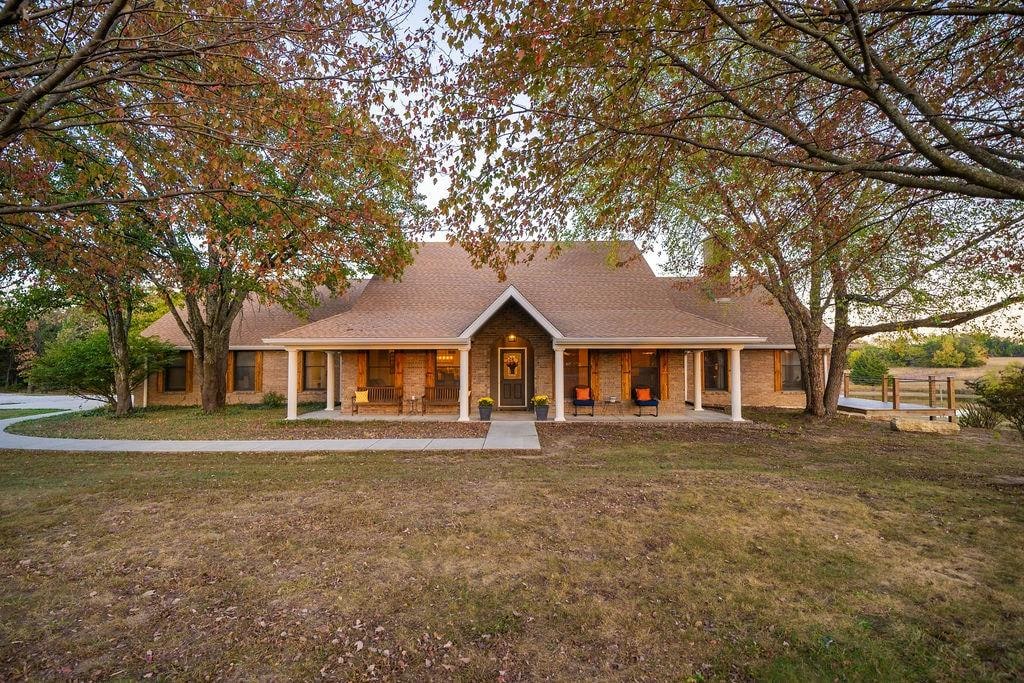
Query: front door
(513, 378)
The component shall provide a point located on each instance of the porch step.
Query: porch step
(508, 435)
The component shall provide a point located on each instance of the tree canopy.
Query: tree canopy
(921, 95)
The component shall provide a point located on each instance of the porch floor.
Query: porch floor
(522, 416)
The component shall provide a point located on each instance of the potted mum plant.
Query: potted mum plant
(540, 405)
(486, 404)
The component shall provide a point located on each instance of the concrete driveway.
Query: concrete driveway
(47, 401)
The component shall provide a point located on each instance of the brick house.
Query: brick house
(449, 333)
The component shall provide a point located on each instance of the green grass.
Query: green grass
(799, 551)
(6, 413)
(233, 422)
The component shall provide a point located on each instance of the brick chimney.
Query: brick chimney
(717, 270)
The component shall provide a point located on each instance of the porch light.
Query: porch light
(511, 337)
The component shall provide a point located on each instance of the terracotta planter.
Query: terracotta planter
(542, 412)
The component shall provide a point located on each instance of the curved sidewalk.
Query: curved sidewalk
(500, 436)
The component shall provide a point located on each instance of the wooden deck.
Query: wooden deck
(881, 409)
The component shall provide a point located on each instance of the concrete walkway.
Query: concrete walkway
(501, 435)
(512, 435)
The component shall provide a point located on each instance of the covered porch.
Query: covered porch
(410, 380)
(676, 372)
(434, 384)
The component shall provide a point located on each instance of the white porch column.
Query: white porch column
(686, 378)
(145, 386)
(330, 379)
(826, 361)
(559, 397)
(698, 380)
(464, 385)
(293, 384)
(735, 390)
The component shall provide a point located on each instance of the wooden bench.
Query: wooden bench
(378, 396)
(440, 396)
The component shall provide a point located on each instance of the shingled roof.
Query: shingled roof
(580, 293)
(257, 321)
(749, 308)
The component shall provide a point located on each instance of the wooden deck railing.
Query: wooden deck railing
(933, 381)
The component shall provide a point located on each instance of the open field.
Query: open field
(642, 551)
(234, 422)
(917, 392)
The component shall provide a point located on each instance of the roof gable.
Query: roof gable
(511, 294)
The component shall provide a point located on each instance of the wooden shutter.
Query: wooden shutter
(301, 371)
(160, 381)
(258, 381)
(231, 371)
(581, 374)
(663, 375)
(595, 375)
(430, 375)
(778, 370)
(627, 374)
(399, 369)
(190, 368)
(362, 360)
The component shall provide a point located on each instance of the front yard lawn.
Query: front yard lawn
(622, 552)
(234, 422)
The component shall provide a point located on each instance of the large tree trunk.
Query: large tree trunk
(117, 313)
(207, 326)
(814, 376)
(836, 372)
(122, 383)
(805, 324)
(213, 369)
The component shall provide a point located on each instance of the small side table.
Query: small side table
(612, 402)
(414, 405)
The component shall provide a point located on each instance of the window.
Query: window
(577, 370)
(314, 370)
(447, 368)
(644, 370)
(716, 370)
(380, 369)
(174, 374)
(792, 373)
(244, 378)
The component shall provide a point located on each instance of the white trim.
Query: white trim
(526, 377)
(363, 344)
(655, 342)
(513, 294)
(783, 347)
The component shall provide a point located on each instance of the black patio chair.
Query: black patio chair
(648, 402)
(582, 397)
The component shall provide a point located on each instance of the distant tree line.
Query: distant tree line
(870, 362)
